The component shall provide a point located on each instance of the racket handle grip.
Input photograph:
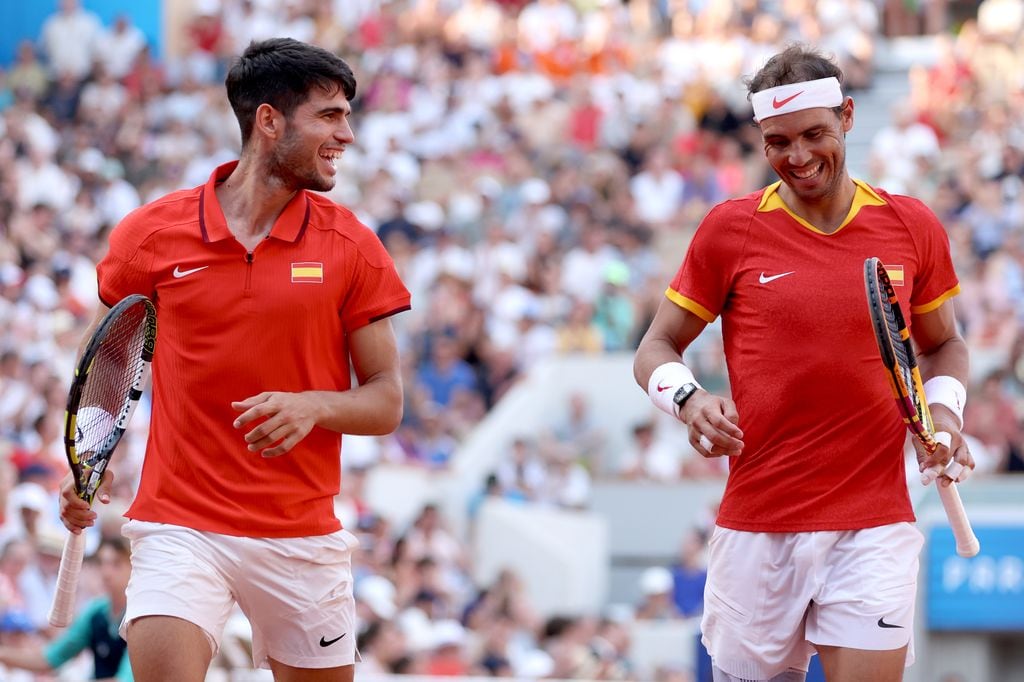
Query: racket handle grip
(967, 544)
(63, 608)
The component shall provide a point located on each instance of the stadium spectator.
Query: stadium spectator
(689, 574)
(656, 595)
(27, 76)
(94, 628)
(380, 644)
(118, 46)
(648, 458)
(69, 39)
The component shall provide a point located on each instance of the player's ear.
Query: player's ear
(846, 115)
(268, 121)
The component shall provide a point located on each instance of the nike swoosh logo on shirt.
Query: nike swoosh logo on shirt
(779, 103)
(764, 279)
(179, 273)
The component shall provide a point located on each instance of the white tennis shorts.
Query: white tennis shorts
(296, 592)
(770, 597)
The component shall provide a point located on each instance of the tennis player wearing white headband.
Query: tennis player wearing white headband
(791, 97)
(814, 549)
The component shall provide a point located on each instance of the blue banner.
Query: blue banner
(24, 20)
(985, 592)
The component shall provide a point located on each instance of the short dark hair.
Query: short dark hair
(795, 64)
(282, 72)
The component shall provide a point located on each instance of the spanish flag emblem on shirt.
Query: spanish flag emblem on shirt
(312, 273)
(895, 273)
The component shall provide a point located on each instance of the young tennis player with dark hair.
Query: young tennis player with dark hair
(268, 297)
(814, 548)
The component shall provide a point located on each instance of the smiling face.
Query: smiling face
(314, 137)
(807, 149)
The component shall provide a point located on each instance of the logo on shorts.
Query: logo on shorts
(328, 642)
(881, 624)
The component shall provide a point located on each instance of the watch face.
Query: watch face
(684, 392)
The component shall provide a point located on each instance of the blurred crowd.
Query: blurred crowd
(536, 169)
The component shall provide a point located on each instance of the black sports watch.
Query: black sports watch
(683, 394)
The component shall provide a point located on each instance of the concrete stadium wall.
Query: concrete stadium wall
(560, 556)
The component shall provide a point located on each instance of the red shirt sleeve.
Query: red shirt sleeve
(704, 280)
(375, 289)
(127, 268)
(935, 280)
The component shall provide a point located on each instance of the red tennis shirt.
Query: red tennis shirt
(823, 442)
(232, 324)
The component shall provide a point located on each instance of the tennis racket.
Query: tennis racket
(107, 386)
(894, 344)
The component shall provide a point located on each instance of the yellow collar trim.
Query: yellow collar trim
(771, 200)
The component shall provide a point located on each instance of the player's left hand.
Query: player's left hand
(287, 418)
(952, 459)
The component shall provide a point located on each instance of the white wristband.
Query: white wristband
(949, 392)
(665, 381)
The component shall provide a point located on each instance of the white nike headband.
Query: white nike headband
(785, 99)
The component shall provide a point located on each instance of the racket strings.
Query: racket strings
(108, 390)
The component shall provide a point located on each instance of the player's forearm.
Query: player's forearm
(950, 359)
(946, 397)
(650, 355)
(670, 334)
(374, 408)
(24, 659)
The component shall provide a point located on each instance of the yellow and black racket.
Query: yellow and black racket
(107, 386)
(894, 344)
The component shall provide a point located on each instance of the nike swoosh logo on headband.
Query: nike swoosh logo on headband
(779, 103)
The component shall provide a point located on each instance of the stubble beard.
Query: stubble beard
(289, 166)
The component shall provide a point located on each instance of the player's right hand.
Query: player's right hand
(76, 513)
(713, 425)
(951, 461)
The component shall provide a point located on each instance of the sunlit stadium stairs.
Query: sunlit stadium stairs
(873, 111)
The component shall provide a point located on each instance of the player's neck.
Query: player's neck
(827, 212)
(251, 201)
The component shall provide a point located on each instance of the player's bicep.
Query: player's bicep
(943, 350)
(374, 353)
(674, 326)
(671, 331)
(935, 328)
